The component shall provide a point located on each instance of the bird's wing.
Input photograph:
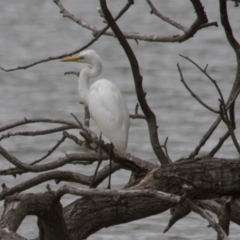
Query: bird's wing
(109, 111)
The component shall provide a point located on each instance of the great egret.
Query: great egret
(105, 102)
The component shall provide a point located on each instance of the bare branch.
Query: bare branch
(104, 173)
(164, 18)
(209, 218)
(174, 199)
(150, 116)
(177, 212)
(62, 175)
(193, 94)
(71, 72)
(226, 120)
(166, 150)
(36, 133)
(114, 193)
(33, 168)
(208, 76)
(66, 14)
(165, 39)
(79, 123)
(74, 138)
(83, 158)
(59, 142)
(96, 37)
(199, 11)
(208, 25)
(139, 116)
(228, 30)
(37, 120)
(219, 144)
(224, 217)
(48, 59)
(236, 47)
(204, 139)
(97, 34)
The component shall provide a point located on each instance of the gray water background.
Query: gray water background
(32, 30)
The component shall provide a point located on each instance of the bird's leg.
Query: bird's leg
(99, 160)
(110, 166)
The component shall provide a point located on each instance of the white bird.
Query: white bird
(105, 102)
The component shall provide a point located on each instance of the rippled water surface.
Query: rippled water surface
(31, 30)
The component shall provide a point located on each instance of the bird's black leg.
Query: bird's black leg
(110, 166)
(99, 161)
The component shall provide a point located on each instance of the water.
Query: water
(31, 30)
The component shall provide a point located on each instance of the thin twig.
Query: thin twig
(43, 177)
(205, 137)
(164, 18)
(96, 37)
(71, 72)
(66, 14)
(166, 150)
(36, 133)
(79, 123)
(193, 94)
(59, 142)
(208, 217)
(219, 144)
(68, 159)
(74, 138)
(104, 173)
(208, 25)
(208, 76)
(226, 120)
(33, 168)
(136, 109)
(139, 116)
(38, 120)
(129, 35)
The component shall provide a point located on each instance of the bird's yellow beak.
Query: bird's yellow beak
(70, 59)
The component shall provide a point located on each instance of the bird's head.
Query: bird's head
(86, 56)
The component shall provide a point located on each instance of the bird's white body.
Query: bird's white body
(109, 111)
(106, 104)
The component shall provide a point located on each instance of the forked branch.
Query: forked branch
(193, 94)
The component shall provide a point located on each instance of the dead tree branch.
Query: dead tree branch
(193, 94)
(236, 86)
(164, 18)
(150, 116)
(96, 37)
(209, 218)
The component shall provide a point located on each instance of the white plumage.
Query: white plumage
(106, 104)
(109, 111)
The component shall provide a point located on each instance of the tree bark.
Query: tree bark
(204, 178)
(45, 206)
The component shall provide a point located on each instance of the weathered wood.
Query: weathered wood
(88, 215)
(208, 178)
(44, 205)
(205, 178)
(5, 234)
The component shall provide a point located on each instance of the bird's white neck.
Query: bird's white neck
(90, 71)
